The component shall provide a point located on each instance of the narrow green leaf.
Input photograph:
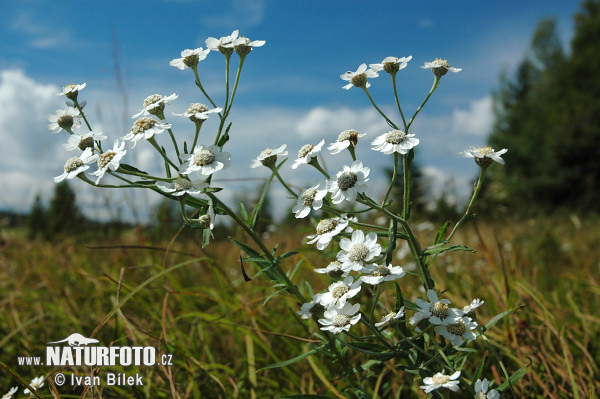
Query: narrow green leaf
(444, 247)
(517, 375)
(441, 233)
(500, 316)
(290, 361)
(130, 168)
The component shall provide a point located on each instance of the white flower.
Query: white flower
(326, 230)
(66, 119)
(76, 165)
(311, 308)
(345, 139)
(339, 292)
(311, 198)
(378, 274)
(348, 182)
(70, 91)
(145, 128)
(36, 384)
(359, 78)
(484, 155)
(243, 46)
(307, 153)
(475, 303)
(456, 331)
(10, 393)
(338, 320)
(440, 67)
(391, 318)
(224, 44)
(358, 250)
(436, 311)
(440, 380)
(182, 186)
(205, 160)
(268, 157)
(110, 159)
(189, 58)
(155, 104)
(83, 141)
(395, 141)
(333, 269)
(391, 64)
(481, 390)
(198, 112)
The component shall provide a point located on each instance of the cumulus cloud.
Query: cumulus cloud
(239, 13)
(477, 120)
(329, 122)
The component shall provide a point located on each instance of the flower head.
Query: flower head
(359, 78)
(224, 45)
(36, 384)
(155, 105)
(376, 274)
(340, 319)
(77, 165)
(205, 160)
(484, 155)
(391, 318)
(10, 393)
(83, 141)
(339, 292)
(110, 159)
(311, 198)
(182, 186)
(333, 269)
(189, 58)
(395, 141)
(348, 182)
(243, 46)
(311, 308)
(391, 64)
(345, 139)
(268, 157)
(145, 128)
(71, 91)
(481, 390)
(358, 250)
(66, 119)
(436, 311)
(307, 153)
(469, 310)
(198, 112)
(440, 67)
(440, 380)
(456, 331)
(327, 229)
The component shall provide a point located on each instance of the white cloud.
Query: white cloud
(425, 23)
(39, 32)
(238, 13)
(477, 120)
(329, 122)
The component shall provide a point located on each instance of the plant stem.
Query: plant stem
(476, 191)
(394, 174)
(152, 141)
(397, 101)
(392, 124)
(435, 85)
(195, 69)
(276, 172)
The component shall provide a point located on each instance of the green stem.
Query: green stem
(315, 163)
(392, 124)
(394, 174)
(406, 195)
(152, 141)
(144, 175)
(476, 191)
(82, 114)
(161, 116)
(435, 85)
(195, 69)
(398, 101)
(276, 173)
(198, 126)
(235, 85)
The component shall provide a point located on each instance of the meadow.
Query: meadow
(196, 304)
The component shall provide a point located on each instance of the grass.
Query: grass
(222, 336)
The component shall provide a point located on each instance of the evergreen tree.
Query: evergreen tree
(37, 223)
(63, 215)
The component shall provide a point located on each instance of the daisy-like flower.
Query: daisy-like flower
(481, 390)
(348, 182)
(347, 138)
(311, 308)
(326, 230)
(440, 67)
(36, 384)
(224, 45)
(395, 141)
(484, 155)
(391, 64)
(391, 318)
(183, 186)
(71, 91)
(205, 160)
(338, 320)
(77, 165)
(268, 157)
(243, 46)
(145, 128)
(110, 159)
(377, 274)
(83, 141)
(189, 58)
(333, 269)
(436, 310)
(307, 153)
(457, 331)
(155, 105)
(339, 292)
(66, 119)
(469, 310)
(359, 78)
(311, 198)
(440, 380)
(10, 393)
(358, 250)
(198, 112)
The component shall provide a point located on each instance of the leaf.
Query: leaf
(258, 207)
(290, 361)
(445, 247)
(130, 168)
(498, 317)
(441, 232)
(206, 234)
(517, 375)
(243, 212)
(258, 260)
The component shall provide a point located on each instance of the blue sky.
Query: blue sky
(290, 90)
